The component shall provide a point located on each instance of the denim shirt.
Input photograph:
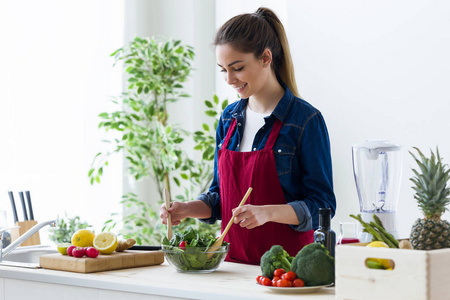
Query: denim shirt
(302, 157)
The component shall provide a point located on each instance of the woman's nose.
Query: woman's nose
(229, 78)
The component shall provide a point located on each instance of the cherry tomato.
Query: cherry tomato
(283, 283)
(258, 278)
(266, 281)
(279, 272)
(298, 282)
(289, 276)
(274, 280)
(182, 245)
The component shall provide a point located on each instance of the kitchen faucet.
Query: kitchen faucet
(22, 238)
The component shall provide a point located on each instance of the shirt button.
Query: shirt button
(279, 150)
(239, 124)
(254, 149)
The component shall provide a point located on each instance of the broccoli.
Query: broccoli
(273, 259)
(314, 265)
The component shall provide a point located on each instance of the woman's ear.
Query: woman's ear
(266, 57)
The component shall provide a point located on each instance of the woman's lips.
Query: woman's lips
(239, 89)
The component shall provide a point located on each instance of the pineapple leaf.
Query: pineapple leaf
(430, 183)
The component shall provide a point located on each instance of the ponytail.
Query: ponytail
(253, 33)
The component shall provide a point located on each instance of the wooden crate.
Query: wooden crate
(418, 274)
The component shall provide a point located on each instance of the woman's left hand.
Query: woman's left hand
(250, 216)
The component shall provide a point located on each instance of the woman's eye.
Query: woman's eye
(223, 70)
(240, 69)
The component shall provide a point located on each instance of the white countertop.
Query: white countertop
(231, 280)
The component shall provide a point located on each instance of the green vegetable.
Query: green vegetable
(374, 264)
(377, 231)
(314, 265)
(194, 257)
(275, 258)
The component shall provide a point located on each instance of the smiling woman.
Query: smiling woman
(56, 76)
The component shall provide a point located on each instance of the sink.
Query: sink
(27, 256)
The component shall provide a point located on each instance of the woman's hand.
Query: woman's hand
(250, 216)
(178, 211)
(181, 210)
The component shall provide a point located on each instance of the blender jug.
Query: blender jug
(377, 167)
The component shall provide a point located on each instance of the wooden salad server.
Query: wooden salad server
(217, 244)
(169, 219)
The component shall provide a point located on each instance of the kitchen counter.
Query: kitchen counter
(230, 281)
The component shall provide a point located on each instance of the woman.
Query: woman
(270, 140)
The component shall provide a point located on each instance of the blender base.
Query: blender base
(389, 220)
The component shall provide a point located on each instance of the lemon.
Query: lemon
(62, 248)
(83, 238)
(105, 242)
(378, 244)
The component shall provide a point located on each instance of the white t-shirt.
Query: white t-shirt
(253, 122)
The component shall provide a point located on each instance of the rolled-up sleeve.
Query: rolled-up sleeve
(317, 180)
(212, 197)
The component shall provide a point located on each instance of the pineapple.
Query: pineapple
(432, 195)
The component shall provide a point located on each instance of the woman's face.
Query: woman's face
(243, 71)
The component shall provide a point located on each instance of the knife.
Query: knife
(24, 208)
(13, 204)
(30, 208)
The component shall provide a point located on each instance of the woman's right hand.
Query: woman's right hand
(178, 211)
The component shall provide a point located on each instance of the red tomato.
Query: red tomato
(279, 272)
(182, 245)
(274, 280)
(289, 276)
(298, 282)
(266, 281)
(258, 278)
(283, 283)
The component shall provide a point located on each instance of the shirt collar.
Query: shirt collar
(281, 110)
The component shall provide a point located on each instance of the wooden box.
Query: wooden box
(417, 274)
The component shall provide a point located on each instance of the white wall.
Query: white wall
(56, 76)
(376, 69)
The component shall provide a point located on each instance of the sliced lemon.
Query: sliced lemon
(83, 238)
(105, 242)
(62, 248)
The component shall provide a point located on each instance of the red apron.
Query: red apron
(237, 172)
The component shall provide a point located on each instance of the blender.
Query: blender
(377, 166)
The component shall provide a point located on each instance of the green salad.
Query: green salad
(187, 251)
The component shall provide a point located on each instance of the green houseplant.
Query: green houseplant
(152, 145)
(65, 228)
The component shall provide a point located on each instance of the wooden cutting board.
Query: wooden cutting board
(114, 261)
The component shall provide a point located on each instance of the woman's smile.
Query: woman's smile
(239, 89)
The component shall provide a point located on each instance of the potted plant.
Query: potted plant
(153, 146)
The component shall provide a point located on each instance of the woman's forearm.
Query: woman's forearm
(283, 213)
(198, 209)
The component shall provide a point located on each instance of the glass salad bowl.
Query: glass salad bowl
(194, 259)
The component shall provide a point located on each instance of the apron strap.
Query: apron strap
(273, 134)
(229, 134)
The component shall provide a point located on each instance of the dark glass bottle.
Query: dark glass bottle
(324, 235)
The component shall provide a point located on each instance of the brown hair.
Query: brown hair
(253, 33)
